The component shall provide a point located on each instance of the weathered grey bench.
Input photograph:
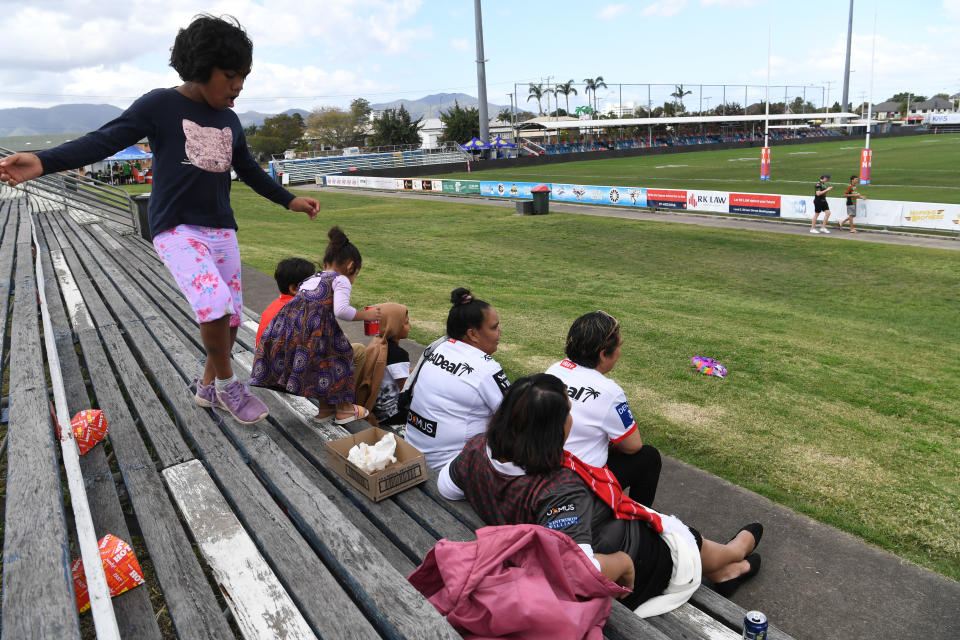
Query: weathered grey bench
(245, 529)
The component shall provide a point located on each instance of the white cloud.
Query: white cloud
(460, 44)
(611, 11)
(894, 70)
(663, 9)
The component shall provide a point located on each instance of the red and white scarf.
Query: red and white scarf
(605, 486)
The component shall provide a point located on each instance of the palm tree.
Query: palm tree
(592, 85)
(536, 91)
(678, 96)
(566, 88)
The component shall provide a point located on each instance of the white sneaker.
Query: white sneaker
(824, 230)
(814, 231)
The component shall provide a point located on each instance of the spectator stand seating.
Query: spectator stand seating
(306, 170)
(284, 546)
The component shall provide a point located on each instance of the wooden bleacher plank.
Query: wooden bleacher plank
(165, 438)
(728, 612)
(9, 210)
(134, 613)
(38, 598)
(260, 606)
(301, 571)
(384, 594)
(193, 608)
(687, 621)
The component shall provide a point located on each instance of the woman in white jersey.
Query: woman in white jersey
(604, 432)
(459, 385)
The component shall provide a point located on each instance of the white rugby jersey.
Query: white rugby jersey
(458, 389)
(599, 408)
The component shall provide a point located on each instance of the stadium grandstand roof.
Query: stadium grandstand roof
(889, 105)
(552, 123)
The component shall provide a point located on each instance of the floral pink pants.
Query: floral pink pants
(205, 262)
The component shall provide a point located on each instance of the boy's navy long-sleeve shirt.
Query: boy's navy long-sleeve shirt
(194, 146)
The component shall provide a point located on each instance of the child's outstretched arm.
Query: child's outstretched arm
(20, 167)
(308, 206)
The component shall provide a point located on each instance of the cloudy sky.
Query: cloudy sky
(311, 53)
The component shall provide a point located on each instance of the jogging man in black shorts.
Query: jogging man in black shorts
(820, 204)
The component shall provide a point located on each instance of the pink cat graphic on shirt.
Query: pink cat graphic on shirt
(208, 148)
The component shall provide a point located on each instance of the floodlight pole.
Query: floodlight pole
(481, 76)
(866, 156)
(844, 101)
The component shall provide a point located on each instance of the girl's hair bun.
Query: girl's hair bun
(460, 296)
(337, 237)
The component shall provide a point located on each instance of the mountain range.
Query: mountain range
(80, 118)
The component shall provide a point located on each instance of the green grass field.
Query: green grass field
(921, 168)
(844, 356)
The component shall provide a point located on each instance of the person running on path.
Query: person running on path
(820, 204)
(852, 196)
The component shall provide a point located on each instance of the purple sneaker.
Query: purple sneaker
(206, 395)
(245, 407)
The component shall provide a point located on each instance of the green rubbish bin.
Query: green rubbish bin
(541, 199)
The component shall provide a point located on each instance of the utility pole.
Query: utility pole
(826, 102)
(481, 76)
(844, 101)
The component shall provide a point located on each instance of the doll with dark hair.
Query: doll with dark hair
(195, 138)
(304, 351)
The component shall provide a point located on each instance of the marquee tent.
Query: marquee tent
(475, 145)
(132, 152)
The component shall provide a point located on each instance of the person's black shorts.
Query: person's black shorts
(820, 204)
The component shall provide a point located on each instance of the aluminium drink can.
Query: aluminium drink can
(754, 626)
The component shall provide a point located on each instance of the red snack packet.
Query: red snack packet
(89, 426)
(120, 566)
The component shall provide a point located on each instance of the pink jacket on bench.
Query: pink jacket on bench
(517, 581)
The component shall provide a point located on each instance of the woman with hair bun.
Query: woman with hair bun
(458, 383)
(303, 350)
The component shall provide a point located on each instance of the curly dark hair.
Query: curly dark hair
(210, 42)
(590, 335)
(340, 251)
(527, 428)
(466, 313)
(291, 272)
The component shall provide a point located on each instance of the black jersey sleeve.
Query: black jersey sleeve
(568, 508)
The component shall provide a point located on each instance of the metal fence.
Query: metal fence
(307, 170)
(91, 200)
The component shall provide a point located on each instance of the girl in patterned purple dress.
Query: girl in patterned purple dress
(303, 350)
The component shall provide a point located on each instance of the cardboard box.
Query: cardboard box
(409, 470)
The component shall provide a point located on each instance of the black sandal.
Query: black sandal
(728, 587)
(755, 529)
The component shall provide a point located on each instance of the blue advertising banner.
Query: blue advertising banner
(591, 194)
(507, 189)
